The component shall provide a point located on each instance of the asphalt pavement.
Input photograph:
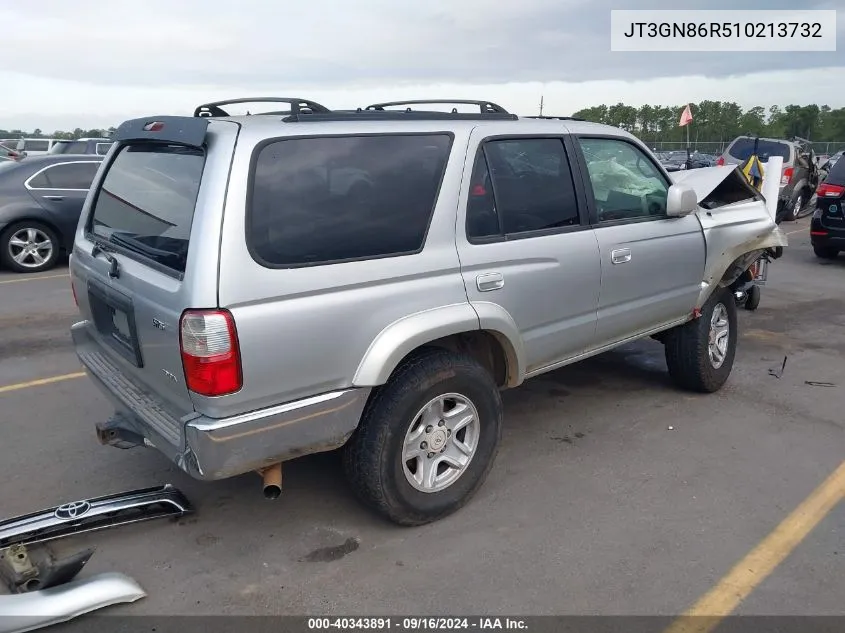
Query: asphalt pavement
(613, 492)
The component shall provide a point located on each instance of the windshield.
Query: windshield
(146, 201)
(743, 147)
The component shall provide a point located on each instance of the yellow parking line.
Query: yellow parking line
(752, 570)
(17, 281)
(41, 381)
(803, 228)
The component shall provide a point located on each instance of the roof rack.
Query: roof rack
(297, 106)
(485, 107)
(398, 115)
(559, 118)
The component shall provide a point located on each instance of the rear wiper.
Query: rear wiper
(127, 241)
(114, 270)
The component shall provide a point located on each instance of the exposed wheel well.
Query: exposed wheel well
(483, 346)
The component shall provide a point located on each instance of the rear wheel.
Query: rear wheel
(29, 247)
(700, 354)
(427, 440)
(826, 252)
(752, 301)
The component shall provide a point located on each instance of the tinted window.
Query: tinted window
(744, 146)
(36, 145)
(146, 201)
(69, 147)
(66, 176)
(319, 200)
(519, 186)
(836, 175)
(103, 148)
(626, 184)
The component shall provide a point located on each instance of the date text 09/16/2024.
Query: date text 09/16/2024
(416, 624)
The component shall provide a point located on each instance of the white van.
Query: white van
(35, 146)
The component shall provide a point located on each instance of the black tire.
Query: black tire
(796, 204)
(373, 457)
(8, 250)
(752, 302)
(826, 252)
(686, 348)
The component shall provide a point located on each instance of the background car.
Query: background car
(99, 146)
(41, 199)
(800, 175)
(677, 160)
(9, 153)
(827, 227)
(35, 146)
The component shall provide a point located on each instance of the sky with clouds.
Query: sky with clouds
(93, 63)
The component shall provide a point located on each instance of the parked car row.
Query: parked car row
(19, 148)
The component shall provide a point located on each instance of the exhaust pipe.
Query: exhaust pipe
(272, 476)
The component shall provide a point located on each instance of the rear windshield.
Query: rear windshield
(70, 147)
(836, 176)
(146, 202)
(331, 199)
(743, 147)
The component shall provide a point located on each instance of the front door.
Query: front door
(525, 243)
(652, 265)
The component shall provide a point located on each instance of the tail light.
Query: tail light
(826, 190)
(787, 176)
(210, 354)
(720, 162)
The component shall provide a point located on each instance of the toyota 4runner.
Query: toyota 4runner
(257, 288)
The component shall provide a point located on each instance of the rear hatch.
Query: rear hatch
(831, 197)
(137, 261)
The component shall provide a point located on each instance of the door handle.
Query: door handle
(489, 281)
(620, 255)
(54, 198)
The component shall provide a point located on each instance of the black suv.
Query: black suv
(827, 227)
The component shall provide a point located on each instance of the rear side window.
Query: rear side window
(333, 199)
(36, 145)
(520, 186)
(743, 147)
(66, 176)
(146, 202)
(103, 148)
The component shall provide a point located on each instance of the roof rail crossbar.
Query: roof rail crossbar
(485, 107)
(297, 106)
(558, 118)
(397, 115)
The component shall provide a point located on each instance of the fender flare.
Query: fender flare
(404, 335)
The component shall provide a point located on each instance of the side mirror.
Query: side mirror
(680, 201)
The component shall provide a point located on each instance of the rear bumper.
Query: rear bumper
(210, 448)
(826, 237)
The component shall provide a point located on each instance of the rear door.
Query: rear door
(132, 263)
(652, 266)
(61, 189)
(525, 243)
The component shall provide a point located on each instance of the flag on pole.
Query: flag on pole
(686, 117)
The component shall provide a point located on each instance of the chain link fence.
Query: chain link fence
(716, 148)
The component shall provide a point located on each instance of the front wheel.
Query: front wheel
(427, 439)
(752, 302)
(700, 354)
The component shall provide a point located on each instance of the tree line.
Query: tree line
(59, 134)
(721, 121)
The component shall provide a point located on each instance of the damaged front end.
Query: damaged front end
(738, 224)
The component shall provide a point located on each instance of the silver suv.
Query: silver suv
(257, 288)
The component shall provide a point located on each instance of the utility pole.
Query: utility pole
(541, 105)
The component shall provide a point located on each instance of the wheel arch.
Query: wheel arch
(492, 339)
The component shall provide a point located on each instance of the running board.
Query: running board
(79, 517)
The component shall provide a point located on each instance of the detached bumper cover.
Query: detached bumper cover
(208, 448)
(37, 609)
